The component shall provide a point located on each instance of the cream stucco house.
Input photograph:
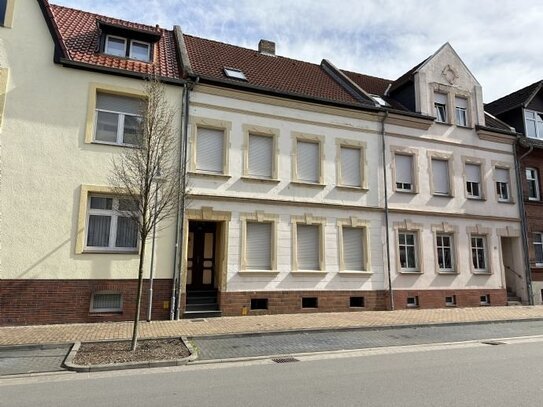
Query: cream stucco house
(311, 188)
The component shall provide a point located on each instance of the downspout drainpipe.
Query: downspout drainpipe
(523, 224)
(179, 260)
(152, 267)
(387, 233)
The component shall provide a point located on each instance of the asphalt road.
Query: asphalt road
(460, 375)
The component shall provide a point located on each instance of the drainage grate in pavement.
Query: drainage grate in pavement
(493, 343)
(197, 320)
(285, 360)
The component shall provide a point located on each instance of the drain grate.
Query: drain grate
(494, 343)
(197, 320)
(285, 360)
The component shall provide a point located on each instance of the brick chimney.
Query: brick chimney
(266, 47)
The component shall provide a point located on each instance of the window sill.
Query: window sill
(250, 178)
(481, 273)
(442, 195)
(308, 184)
(112, 251)
(448, 273)
(464, 127)
(258, 272)
(107, 143)
(351, 188)
(475, 198)
(417, 272)
(307, 272)
(355, 273)
(210, 175)
(402, 191)
(506, 202)
(443, 123)
(104, 313)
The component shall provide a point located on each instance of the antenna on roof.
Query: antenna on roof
(388, 89)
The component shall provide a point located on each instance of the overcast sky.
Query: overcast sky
(500, 41)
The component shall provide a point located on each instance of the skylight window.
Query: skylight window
(379, 100)
(234, 74)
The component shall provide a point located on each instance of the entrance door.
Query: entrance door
(201, 256)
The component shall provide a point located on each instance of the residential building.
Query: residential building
(523, 110)
(311, 188)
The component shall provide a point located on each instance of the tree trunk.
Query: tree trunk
(138, 298)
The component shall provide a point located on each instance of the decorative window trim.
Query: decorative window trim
(485, 232)
(80, 246)
(308, 219)
(410, 227)
(8, 17)
(400, 150)
(354, 222)
(203, 122)
(446, 229)
(362, 146)
(94, 310)
(260, 217)
(482, 164)
(311, 138)
(94, 89)
(437, 155)
(503, 166)
(250, 129)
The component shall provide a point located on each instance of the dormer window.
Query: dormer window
(125, 48)
(379, 100)
(534, 124)
(440, 104)
(235, 74)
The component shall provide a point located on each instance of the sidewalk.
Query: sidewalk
(43, 334)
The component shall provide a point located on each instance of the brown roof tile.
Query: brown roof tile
(274, 73)
(80, 34)
(371, 84)
(512, 100)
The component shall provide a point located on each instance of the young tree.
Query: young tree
(147, 177)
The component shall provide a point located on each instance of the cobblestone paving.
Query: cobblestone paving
(236, 346)
(32, 359)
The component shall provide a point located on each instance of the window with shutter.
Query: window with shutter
(260, 156)
(210, 150)
(258, 246)
(118, 119)
(440, 174)
(473, 180)
(351, 171)
(461, 111)
(404, 172)
(502, 184)
(353, 248)
(440, 104)
(308, 247)
(308, 161)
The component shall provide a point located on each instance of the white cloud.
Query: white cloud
(498, 41)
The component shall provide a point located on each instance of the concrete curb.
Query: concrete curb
(70, 365)
(30, 346)
(362, 328)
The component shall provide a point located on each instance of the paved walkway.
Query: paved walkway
(43, 334)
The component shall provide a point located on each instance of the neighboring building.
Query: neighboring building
(523, 110)
(288, 206)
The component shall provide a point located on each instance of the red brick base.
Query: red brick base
(27, 302)
(436, 298)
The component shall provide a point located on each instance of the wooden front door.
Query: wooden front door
(201, 256)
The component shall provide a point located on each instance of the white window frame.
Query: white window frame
(401, 186)
(484, 248)
(442, 248)
(115, 214)
(447, 159)
(468, 184)
(443, 106)
(415, 248)
(538, 120)
(120, 126)
(130, 55)
(534, 177)
(540, 244)
(452, 302)
(93, 309)
(461, 112)
(501, 185)
(117, 38)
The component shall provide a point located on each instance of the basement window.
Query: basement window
(310, 302)
(412, 302)
(485, 299)
(235, 74)
(259, 303)
(356, 302)
(450, 301)
(106, 302)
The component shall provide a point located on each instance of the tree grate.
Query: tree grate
(285, 360)
(494, 343)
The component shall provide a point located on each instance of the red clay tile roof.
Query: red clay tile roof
(513, 100)
(80, 34)
(274, 73)
(371, 84)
